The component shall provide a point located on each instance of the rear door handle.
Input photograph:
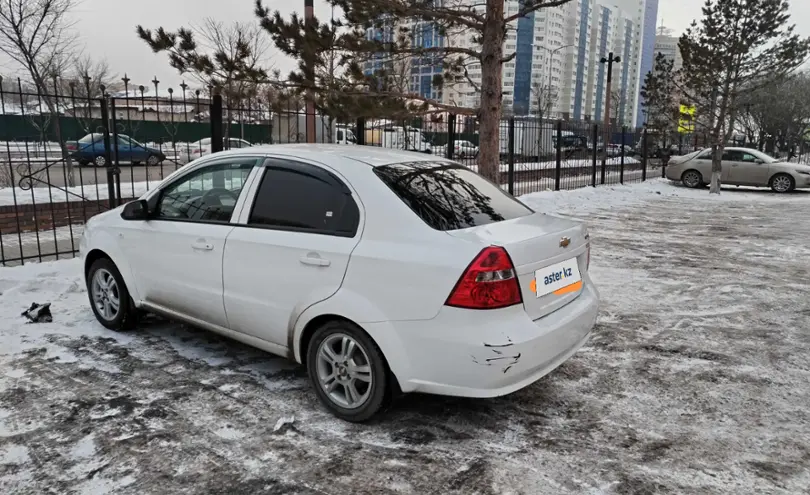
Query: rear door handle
(202, 245)
(314, 261)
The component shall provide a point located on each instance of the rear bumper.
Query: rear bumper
(488, 353)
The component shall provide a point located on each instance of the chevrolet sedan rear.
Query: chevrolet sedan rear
(382, 271)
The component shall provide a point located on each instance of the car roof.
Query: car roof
(370, 155)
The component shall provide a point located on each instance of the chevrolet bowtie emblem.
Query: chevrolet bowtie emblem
(565, 241)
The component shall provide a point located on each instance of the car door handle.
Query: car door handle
(315, 261)
(202, 245)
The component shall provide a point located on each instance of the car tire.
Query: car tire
(152, 161)
(100, 161)
(692, 179)
(104, 274)
(335, 393)
(782, 183)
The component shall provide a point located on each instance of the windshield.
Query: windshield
(134, 143)
(767, 158)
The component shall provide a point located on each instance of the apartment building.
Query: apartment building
(557, 60)
(667, 44)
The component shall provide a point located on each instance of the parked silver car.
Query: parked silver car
(741, 167)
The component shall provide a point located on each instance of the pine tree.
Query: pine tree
(737, 47)
(659, 95)
(401, 23)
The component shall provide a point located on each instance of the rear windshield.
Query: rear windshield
(447, 196)
(90, 138)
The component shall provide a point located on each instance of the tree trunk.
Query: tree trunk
(491, 91)
(717, 167)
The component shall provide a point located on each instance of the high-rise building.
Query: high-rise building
(557, 59)
(667, 45)
(648, 25)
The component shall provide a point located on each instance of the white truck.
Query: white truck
(292, 128)
(344, 135)
(397, 137)
(533, 139)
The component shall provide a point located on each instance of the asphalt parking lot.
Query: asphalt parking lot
(696, 380)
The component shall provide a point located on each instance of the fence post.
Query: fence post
(604, 157)
(595, 153)
(511, 174)
(558, 160)
(105, 120)
(216, 123)
(217, 139)
(360, 133)
(451, 135)
(116, 165)
(644, 155)
(621, 164)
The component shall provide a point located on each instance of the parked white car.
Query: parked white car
(461, 149)
(203, 148)
(382, 271)
(740, 167)
(465, 149)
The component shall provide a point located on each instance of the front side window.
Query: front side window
(206, 195)
(304, 198)
(448, 196)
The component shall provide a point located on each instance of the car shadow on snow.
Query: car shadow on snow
(412, 419)
(724, 188)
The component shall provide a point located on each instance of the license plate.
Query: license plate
(560, 278)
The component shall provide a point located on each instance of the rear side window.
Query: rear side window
(306, 199)
(448, 196)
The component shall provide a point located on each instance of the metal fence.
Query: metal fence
(52, 182)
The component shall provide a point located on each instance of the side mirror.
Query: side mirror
(759, 161)
(136, 210)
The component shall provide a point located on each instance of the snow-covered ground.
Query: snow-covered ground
(696, 380)
(90, 192)
(564, 164)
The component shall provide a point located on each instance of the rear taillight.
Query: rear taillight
(72, 147)
(488, 283)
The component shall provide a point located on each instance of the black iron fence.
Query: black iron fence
(65, 157)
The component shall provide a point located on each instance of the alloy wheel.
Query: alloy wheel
(106, 295)
(782, 184)
(344, 371)
(691, 179)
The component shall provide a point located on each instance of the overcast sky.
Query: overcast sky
(108, 27)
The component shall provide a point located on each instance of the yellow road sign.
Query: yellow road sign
(686, 121)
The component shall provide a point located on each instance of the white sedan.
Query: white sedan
(382, 271)
(203, 148)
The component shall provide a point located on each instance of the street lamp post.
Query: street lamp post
(609, 61)
(551, 65)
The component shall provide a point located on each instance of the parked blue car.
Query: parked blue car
(90, 150)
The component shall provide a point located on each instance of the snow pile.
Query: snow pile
(607, 197)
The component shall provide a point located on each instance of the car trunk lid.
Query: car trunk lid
(540, 246)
